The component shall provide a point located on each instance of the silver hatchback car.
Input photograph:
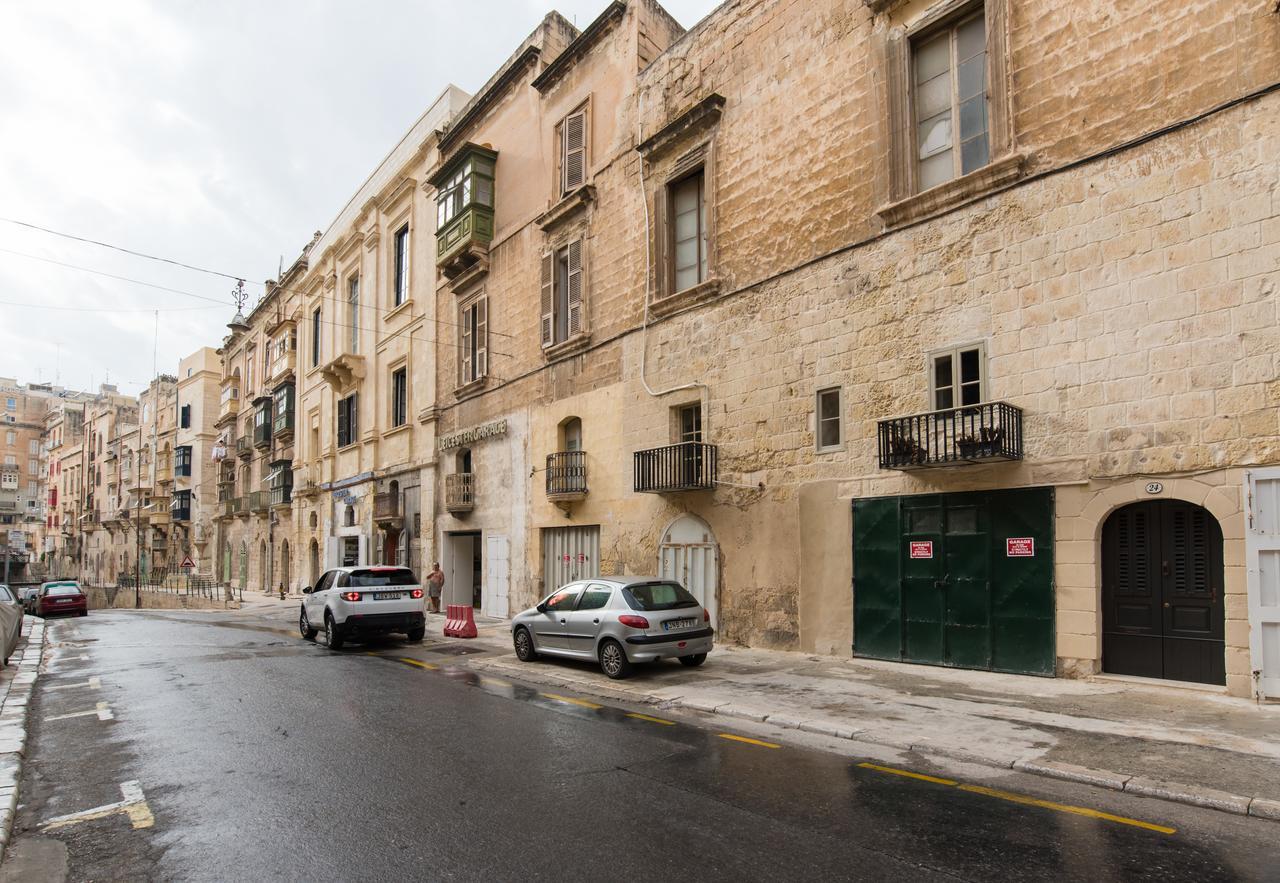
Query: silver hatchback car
(616, 621)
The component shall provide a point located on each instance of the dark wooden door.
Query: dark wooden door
(1162, 593)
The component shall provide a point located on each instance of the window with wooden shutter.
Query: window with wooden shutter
(573, 151)
(481, 309)
(574, 294)
(473, 340)
(548, 283)
(464, 345)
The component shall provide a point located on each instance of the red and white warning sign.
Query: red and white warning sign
(187, 563)
(1020, 547)
(921, 548)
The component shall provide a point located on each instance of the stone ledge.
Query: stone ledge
(1206, 797)
(953, 193)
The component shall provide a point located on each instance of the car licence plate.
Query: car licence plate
(673, 624)
(387, 596)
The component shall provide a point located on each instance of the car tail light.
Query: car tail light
(416, 593)
(635, 622)
(706, 615)
(350, 596)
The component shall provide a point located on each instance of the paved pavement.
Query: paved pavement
(239, 751)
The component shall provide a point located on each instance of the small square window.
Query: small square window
(829, 430)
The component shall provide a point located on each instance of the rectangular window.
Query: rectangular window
(830, 420)
(315, 338)
(471, 183)
(184, 417)
(33, 467)
(347, 420)
(399, 397)
(10, 437)
(401, 292)
(562, 293)
(11, 404)
(690, 426)
(688, 236)
(573, 151)
(33, 447)
(957, 377)
(353, 313)
(949, 81)
(182, 461)
(473, 341)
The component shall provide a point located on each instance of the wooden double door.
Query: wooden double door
(1162, 593)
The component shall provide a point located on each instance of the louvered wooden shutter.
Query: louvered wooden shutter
(574, 153)
(354, 417)
(548, 277)
(344, 427)
(464, 347)
(482, 337)
(575, 287)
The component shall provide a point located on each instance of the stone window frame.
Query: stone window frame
(574, 339)
(1005, 164)
(818, 446)
(954, 351)
(474, 377)
(698, 161)
(399, 366)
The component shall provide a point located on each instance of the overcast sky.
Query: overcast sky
(216, 134)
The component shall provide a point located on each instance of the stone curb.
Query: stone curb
(17, 691)
(1174, 792)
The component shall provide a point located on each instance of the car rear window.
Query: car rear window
(370, 579)
(63, 589)
(658, 596)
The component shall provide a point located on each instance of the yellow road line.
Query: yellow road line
(747, 740)
(907, 773)
(1022, 799)
(652, 720)
(1065, 807)
(427, 665)
(558, 698)
(493, 682)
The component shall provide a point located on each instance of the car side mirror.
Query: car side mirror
(307, 590)
(542, 608)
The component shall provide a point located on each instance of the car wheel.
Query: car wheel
(523, 642)
(693, 661)
(332, 636)
(416, 635)
(613, 660)
(84, 612)
(304, 626)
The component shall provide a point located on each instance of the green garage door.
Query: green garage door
(956, 579)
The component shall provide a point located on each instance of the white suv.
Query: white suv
(355, 602)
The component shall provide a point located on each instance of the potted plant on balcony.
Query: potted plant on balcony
(984, 443)
(906, 451)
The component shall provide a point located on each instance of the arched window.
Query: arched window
(349, 516)
(395, 489)
(571, 434)
(463, 458)
(314, 522)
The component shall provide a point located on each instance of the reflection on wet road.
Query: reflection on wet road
(264, 757)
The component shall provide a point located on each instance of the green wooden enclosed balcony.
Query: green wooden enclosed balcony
(464, 208)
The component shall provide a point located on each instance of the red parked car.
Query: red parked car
(62, 596)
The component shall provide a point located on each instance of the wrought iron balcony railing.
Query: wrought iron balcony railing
(687, 466)
(952, 437)
(244, 447)
(567, 475)
(259, 501)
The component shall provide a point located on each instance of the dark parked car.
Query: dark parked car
(28, 597)
(62, 596)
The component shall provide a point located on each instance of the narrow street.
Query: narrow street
(220, 746)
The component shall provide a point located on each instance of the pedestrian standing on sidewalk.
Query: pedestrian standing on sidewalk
(435, 586)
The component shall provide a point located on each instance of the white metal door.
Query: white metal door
(497, 575)
(459, 568)
(568, 554)
(689, 555)
(1262, 550)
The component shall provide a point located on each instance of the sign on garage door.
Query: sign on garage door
(569, 553)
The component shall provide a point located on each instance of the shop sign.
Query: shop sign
(1020, 547)
(921, 548)
(470, 436)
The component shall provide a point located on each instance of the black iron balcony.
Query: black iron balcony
(459, 492)
(567, 475)
(687, 466)
(952, 437)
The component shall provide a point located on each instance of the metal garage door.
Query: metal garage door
(569, 553)
(964, 580)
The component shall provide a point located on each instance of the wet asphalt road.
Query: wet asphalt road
(262, 757)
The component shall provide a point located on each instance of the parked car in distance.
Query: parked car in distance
(62, 596)
(27, 597)
(10, 622)
(350, 603)
(616, 621)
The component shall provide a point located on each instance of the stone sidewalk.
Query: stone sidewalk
(17, 680)
(1187, 745)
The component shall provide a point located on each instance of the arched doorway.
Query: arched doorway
(313, 563)
(689, 554)
(1162, 582)
(284, 565)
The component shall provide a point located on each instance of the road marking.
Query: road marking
(134, 806)
(1023, 799)
(652, 720)
(583, 702)
(103, 711)
(910, 775)
(748, 740)
(93, 684)
(493, 682)
(431, 666)
(1065, 807)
